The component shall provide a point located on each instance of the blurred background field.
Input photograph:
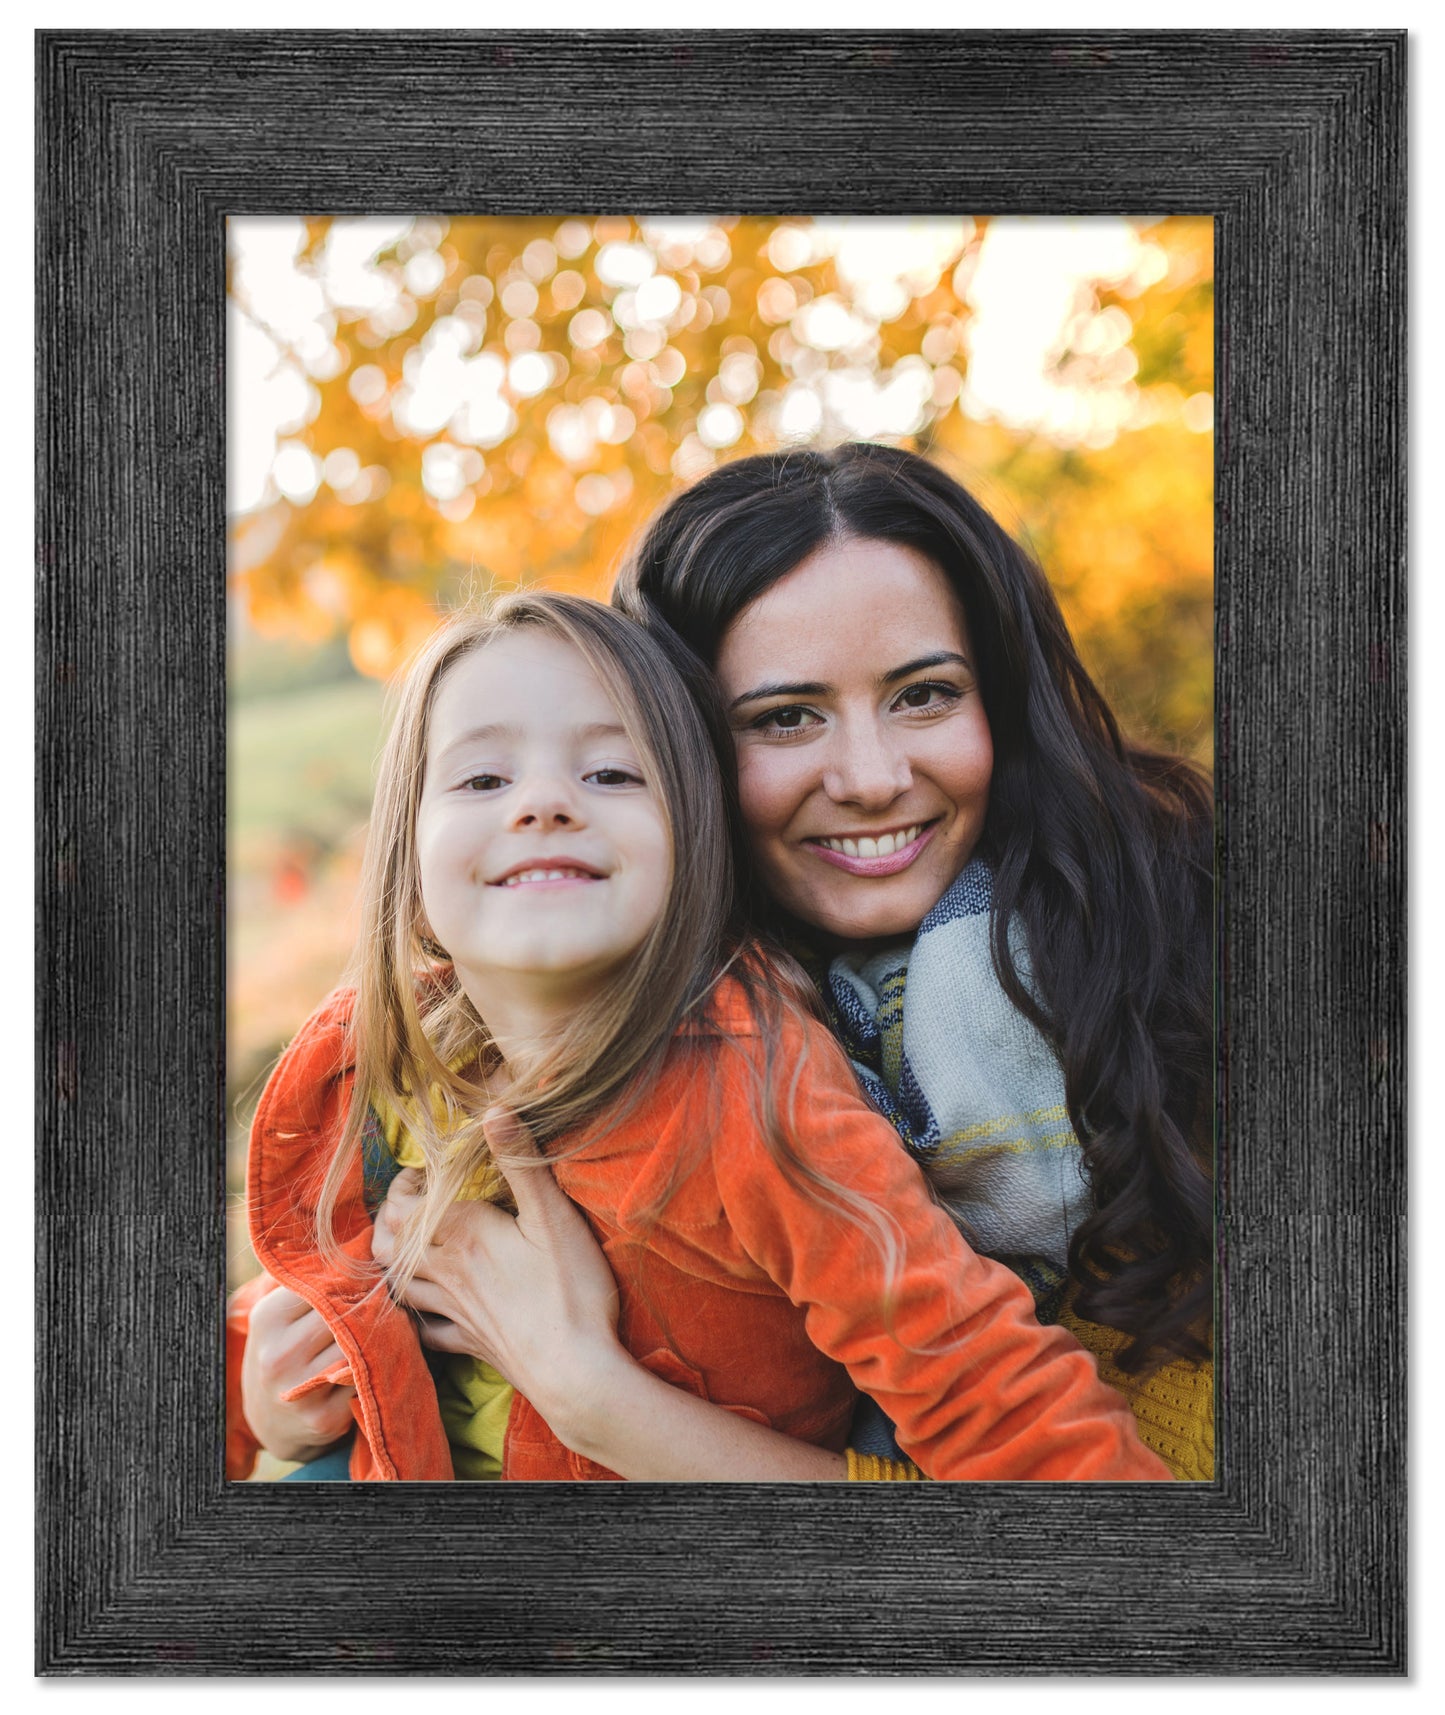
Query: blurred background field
(421, 409)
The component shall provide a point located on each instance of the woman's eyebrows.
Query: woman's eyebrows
(811, 689)
(817, 688)
(941, 658)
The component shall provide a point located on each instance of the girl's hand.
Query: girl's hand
(532, 1295)
(288, 1342)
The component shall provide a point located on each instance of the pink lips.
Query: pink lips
(889, 865)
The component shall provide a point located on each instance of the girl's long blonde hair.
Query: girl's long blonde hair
(421, 1048)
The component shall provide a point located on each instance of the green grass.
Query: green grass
(300, 766)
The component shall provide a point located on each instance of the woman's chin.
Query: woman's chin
(879, 909)
(873, 925)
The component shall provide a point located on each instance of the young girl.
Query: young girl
(548, 921)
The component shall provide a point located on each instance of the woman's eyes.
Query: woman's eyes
(928, 696)
(785, 722)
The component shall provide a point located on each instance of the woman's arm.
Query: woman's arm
(534, 1297)
(288, 1343)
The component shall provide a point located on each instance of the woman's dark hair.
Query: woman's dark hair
(1103, 851)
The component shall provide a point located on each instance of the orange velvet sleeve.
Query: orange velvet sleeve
(952, 1350)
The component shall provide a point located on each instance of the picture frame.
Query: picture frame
(1293, 1560)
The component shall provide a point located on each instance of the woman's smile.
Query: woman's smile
(867, 854)
(864, 752)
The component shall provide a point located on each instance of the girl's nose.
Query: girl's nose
(544, 803)
(866, 768)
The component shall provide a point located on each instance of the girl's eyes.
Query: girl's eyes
(597, 776)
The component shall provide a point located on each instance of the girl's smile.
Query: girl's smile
(864, 752)
(556, 871)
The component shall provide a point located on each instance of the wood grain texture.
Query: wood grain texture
(1294, 1560)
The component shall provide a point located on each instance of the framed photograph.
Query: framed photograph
(1288, 149)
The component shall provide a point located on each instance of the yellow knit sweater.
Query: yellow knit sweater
(1174, 1409)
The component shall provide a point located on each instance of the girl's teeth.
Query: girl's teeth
(540, 875)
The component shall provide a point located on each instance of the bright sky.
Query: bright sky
(1027, 292)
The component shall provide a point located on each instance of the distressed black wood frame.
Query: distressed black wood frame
(1294, 1560)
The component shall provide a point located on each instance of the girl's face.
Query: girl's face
(544, 856)
(864, 753)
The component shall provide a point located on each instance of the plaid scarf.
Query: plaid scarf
(967, 1083)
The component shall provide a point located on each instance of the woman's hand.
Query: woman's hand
(532, 1295)
(287, 1342)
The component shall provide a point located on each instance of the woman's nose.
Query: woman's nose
(866, 767)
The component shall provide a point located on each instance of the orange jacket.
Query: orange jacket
(734, 1282)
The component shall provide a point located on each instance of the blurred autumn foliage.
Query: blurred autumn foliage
(519, 395)
(454, 405)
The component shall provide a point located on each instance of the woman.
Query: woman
(936, 803)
